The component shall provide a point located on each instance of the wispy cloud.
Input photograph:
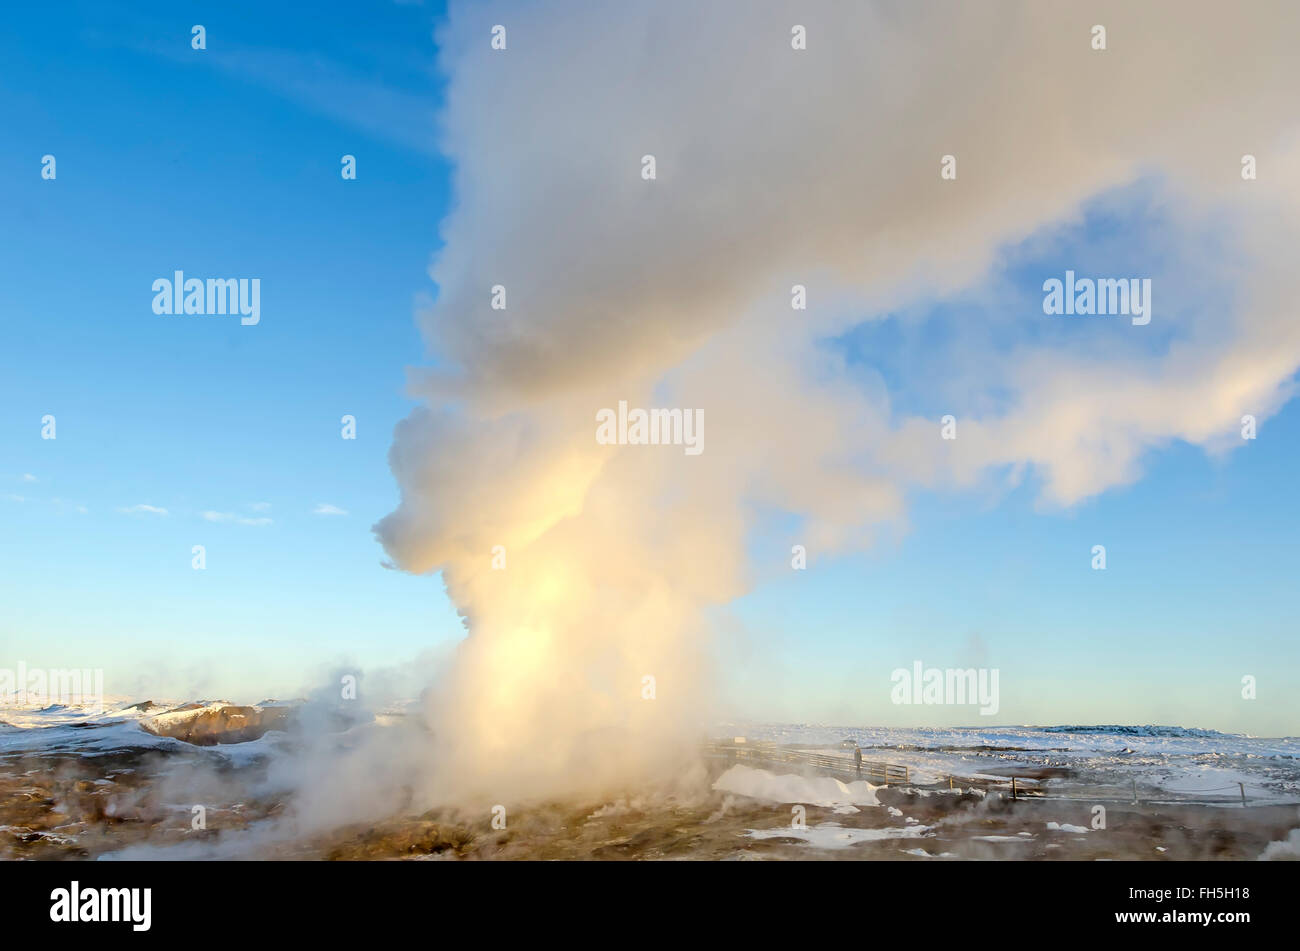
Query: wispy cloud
(143, 509)
(15, 498)
(28, 477)
(260, 506)
(324, 508)
(232, 517)
(382, 101)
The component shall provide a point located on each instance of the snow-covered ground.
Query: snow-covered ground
(40, 714)
(90, 727)
(1188, 762)
(57, 807)
(93, 727)
(1176, 760)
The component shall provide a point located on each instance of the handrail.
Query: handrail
(881, 774)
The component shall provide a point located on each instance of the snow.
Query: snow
(88, 729)
(97, 738)
(1058, 827)
(828, 835)
(185, 712)
(31, 715)
(1189, 762)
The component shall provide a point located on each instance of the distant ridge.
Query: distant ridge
(1114, 729)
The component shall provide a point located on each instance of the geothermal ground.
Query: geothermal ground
(126, 786)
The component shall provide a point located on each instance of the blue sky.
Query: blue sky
(226, 163)
(166, 160)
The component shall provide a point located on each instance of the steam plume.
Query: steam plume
(777, 167)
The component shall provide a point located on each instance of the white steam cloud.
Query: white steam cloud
(775, 167)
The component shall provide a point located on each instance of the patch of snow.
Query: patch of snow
(828, 835)
(1058, 827)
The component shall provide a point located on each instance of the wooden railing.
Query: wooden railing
(878, 774)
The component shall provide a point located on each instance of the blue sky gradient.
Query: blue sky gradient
(225, 163)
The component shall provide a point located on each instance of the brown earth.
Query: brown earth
(77, 807)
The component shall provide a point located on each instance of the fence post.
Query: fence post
(1013, 787)
(1242, 786)
(949, 782)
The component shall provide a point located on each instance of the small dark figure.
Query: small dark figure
(857, 759)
